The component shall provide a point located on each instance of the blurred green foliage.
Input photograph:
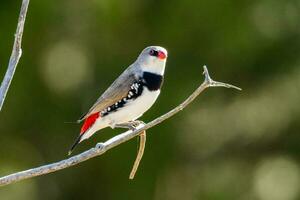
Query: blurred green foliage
(226, 145)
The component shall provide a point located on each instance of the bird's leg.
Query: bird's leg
(136, 123)
(129, 125)
(124, 125)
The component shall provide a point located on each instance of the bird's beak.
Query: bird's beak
(161, 55)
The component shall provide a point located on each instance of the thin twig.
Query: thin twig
(15, 55)
(139, 154)
(101, 148)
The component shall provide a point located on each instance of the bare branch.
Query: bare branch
(139, 155)
(101, 148)
(15, 55)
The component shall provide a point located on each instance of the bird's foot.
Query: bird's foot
(130, 125)
(136, 123)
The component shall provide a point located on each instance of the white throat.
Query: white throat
(154, 66)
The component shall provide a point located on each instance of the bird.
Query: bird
(128, 97)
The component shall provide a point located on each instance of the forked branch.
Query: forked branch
(101, 148)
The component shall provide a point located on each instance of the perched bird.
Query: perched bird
(129, 96)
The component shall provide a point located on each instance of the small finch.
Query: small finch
(129, 96)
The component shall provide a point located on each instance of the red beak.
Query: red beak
(161, 55)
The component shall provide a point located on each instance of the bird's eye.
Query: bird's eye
(153, 52)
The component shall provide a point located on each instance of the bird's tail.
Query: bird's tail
(77, 141)
(84, 132)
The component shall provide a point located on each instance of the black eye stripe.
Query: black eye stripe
(153, 52)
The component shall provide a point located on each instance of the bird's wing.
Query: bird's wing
(118, 90)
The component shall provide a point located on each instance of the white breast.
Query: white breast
(133, 109)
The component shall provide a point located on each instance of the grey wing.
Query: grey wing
(118, 90)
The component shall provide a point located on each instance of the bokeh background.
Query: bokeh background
(227, 145)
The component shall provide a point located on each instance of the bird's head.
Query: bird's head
(153, 59)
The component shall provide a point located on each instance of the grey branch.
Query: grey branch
(139, 154)
(15, 55)
(101, 148)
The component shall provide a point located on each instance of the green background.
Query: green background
(226, 145)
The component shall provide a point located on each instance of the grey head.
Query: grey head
(152, 59)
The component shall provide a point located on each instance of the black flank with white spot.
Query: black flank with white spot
(150, 80)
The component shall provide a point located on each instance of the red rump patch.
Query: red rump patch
(89, 122)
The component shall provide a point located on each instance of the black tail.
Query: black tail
(75, 144)
(81, 118)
